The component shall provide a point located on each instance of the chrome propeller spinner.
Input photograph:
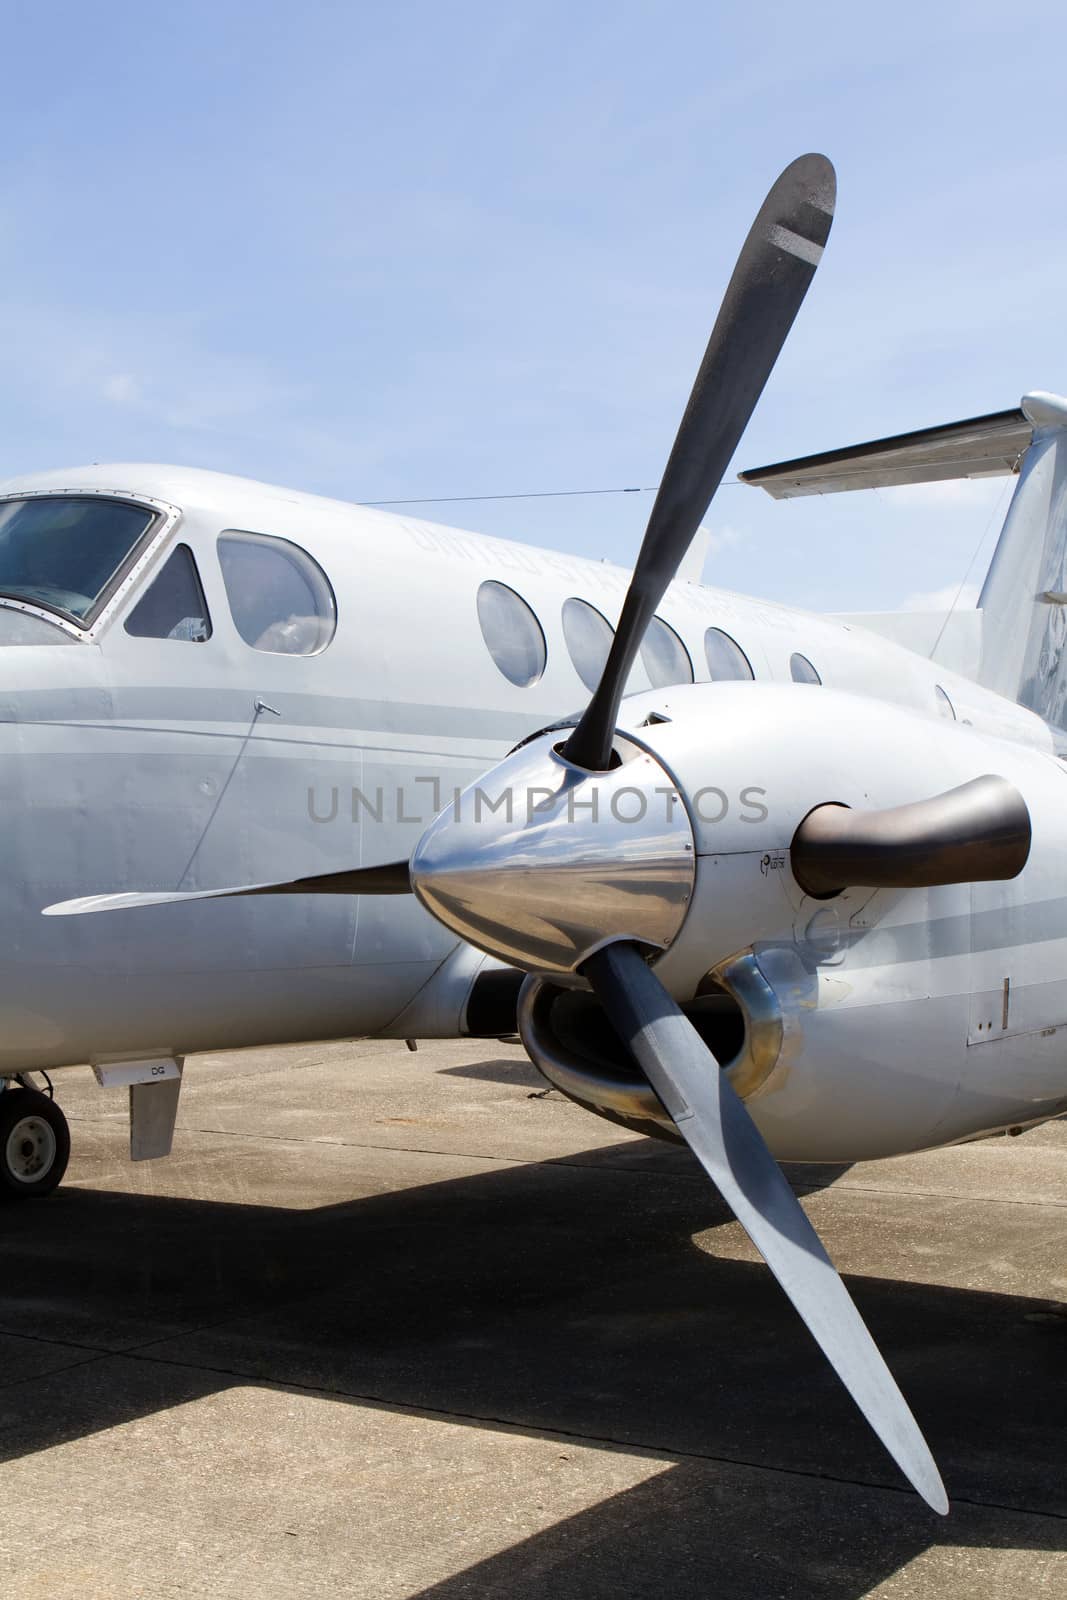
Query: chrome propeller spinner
(541, 862)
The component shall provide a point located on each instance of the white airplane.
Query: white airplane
(800, 895)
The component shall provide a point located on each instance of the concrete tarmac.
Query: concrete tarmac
(390, 1325)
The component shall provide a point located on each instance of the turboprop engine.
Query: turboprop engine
(661, 853)
(726, 863)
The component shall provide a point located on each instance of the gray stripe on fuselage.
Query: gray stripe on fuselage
(202, 707)
(1037, 923)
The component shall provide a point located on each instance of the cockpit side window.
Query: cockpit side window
(67, 553)
(173, 606)
(280, 599)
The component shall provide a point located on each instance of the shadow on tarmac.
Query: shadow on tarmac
(565, 1298)
(502, 1071)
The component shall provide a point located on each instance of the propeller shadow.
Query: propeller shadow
(692, 1532)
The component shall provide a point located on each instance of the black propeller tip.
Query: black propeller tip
(769, 282)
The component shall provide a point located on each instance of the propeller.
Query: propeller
(772, 275)
(770, 280)
(391, 878)
(721, 1134)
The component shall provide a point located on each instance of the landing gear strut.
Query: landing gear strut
(34, 1142)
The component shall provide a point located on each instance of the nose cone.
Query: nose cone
(540, 863)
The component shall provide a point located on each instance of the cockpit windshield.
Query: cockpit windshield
(63, 552)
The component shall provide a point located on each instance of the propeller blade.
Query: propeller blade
(770, 280)
(392, 878)
(717, 1127)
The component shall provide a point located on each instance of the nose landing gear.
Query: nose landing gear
(34, 1142)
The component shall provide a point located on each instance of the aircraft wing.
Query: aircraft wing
(981, 447)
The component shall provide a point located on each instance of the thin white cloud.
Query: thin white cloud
(122, 388)
(725, 538)
(171, 396)
(163, 366)
(979, 493)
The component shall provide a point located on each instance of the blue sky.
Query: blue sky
(380, 251)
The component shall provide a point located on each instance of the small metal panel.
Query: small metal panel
(991, 1014)
(1015, 1007)
(124, 1074)
(154, 1085)
(542, 862)
(1017, 962)
(153, 1113)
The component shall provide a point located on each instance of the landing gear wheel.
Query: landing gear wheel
(34, 1144)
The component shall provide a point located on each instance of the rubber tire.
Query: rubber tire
(14, 1105)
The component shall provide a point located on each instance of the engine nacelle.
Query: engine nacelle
(911, 1011)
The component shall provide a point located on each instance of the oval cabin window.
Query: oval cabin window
(801, 669)
(513, 636)
(664, 656)
(944, 704)
(725, 657)
(588, 638)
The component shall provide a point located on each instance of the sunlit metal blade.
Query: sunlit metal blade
(392, 878)
(729, 1146)
(770, 280)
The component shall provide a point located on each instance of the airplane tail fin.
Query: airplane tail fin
(1024, 599)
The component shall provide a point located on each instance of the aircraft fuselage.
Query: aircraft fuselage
(145, 762)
